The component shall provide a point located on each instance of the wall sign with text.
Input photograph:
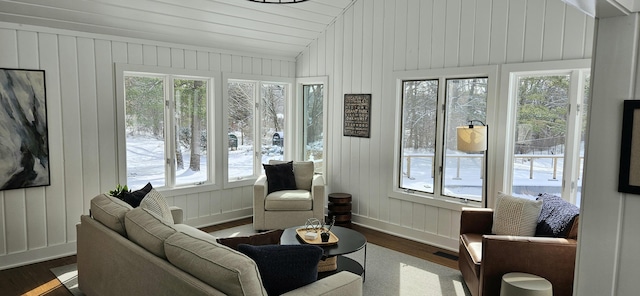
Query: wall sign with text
(357, 115)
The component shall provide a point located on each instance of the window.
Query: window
(466, 100)
(312, 94)
(167, 121)
(548, 147)
(313, 127)
(433, 104)
(256, 113)
(419, 112)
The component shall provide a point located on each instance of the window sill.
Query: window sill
(430, 200)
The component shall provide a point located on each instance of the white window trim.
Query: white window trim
(298, 105)
(508, 108)
(289, 123)
(435, 199)
(213, 109)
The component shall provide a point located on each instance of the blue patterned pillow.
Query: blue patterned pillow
(284, 267)
(556, 216)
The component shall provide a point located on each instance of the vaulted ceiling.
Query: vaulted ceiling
(282, 30)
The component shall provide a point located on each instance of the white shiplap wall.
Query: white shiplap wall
(39, 223)
(374, 38)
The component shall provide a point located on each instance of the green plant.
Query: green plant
(119, 191)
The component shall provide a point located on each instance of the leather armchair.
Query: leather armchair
(288, 208)
(485, 258)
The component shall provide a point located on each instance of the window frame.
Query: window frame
(508, 106)
(170, 189)
(288, 126)
(436, 198)
(299, 106)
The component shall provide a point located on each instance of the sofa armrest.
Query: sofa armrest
(177, 214)
(259, 196)
(260, 188)
(476, 220)
(550, 258)
(342, 283)
(317, 192)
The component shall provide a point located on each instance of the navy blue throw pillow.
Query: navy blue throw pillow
(284, 267)
(556, 216)
(280, 177)
(134, 198)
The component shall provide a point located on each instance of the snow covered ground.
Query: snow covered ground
(145, 163)
(145, 159)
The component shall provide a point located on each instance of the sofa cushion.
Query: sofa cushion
(271, 237)
(515, 216)
(110, 211)
(472, 243)
(148, 230)
(289, 200)
(285, 267)
(227, 270)
(280, 177)
(556, 216)
(156, 203)
(134, 198)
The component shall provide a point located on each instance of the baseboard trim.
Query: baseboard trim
(37, 255)
(435, 240)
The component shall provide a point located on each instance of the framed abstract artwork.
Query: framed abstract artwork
(629, 176)
(24, 139)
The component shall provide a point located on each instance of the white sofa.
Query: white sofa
(125, 251)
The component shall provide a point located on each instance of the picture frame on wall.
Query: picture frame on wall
(629, 176)
(357, 115)
(24, 152)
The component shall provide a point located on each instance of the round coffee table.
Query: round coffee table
(349, 241)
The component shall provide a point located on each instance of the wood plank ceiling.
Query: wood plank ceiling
(235, 25)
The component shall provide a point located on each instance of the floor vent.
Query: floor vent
(446, 255)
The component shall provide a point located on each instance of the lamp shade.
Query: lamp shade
(472, 138)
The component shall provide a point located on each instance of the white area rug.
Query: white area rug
(387, 272)
(393, 273)
(68, 275)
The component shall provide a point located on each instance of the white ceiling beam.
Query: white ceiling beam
(605, 8)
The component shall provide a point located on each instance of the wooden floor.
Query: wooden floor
(37, 279)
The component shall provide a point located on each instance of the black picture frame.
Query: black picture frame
(24, 153)
(629, 176)
(357, 115)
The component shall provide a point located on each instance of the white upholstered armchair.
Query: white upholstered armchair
(292, 206)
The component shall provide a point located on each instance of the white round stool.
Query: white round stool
(524, 284)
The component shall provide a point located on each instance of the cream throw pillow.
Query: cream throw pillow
(515, 216)
(156, 203)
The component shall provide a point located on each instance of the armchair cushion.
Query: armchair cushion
(280, 177)
(303, 172)
(285, 267)
(289, 200)
(515, 216)
(556, 217)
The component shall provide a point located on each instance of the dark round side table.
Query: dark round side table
(349, 241)
(340, 208)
